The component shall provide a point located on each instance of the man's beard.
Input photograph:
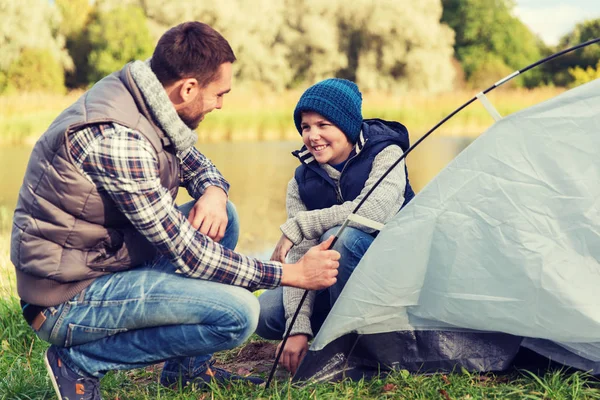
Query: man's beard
(191, 122)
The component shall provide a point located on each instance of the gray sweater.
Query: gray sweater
(304, 227)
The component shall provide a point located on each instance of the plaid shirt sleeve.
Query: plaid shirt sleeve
(198, 173)
(123, 164)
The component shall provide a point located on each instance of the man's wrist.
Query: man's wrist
(216, 190)
(290, 275)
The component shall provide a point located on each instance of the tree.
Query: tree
(32, 25)
(581, 76)
(311, 35)
(579, 60)
(35, 70)
(401, 45)
(252, 27)
(78, 13)
(584, 31)
(116, 37)
(487, 28)
(387, 44)
(284, 43)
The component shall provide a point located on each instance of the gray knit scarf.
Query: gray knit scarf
(161, 107)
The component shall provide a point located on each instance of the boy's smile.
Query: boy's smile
(325, 141)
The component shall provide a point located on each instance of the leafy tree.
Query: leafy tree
(116, 37)
(381, 45)
(30, 24)
(491, 68)
(252, 27)
(35, 70)
(311, 34)
(584, 31)
(581, 76)
(487, 28)
(77, 13)
(579, 60)
(281, 43)
(284, 43)
(401, 45)
(254, 31)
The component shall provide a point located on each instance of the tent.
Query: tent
(498, 253)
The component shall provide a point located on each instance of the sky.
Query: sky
(551, 19)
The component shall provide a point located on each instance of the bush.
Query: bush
(34, 70)
(581, 76)
(117, 37)
(491, 69)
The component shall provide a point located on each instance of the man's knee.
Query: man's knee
(232, 232)
(244, 316)
(232, 214)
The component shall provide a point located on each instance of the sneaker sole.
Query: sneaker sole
(51, 373)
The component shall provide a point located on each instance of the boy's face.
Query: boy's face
(325, 141)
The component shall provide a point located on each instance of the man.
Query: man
(109, 271)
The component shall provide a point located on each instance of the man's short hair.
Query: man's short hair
(190, 50)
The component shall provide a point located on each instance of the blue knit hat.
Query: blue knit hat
(338, 100)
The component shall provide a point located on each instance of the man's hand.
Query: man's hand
(209, 214)
(281, 249)
(294, 351)
(316, 270)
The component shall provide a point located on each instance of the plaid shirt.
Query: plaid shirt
(123, 164)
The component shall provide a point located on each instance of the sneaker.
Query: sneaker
(68, 384)
(203, 378)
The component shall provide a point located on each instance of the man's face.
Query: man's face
(207, 98)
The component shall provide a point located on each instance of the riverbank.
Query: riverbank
(264, 116)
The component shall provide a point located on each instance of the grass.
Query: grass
(24, 376)
(257, 115)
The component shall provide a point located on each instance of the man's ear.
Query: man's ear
(188, 89)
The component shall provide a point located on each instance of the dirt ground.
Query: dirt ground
(254, 358)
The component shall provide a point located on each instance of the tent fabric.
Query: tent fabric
(505, 239)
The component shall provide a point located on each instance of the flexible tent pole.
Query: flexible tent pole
(480, 96)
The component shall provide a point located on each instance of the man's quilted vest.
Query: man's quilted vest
(318, 190)
(65, 233)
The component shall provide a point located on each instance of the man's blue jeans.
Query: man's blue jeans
(151, 314)
(352, 245)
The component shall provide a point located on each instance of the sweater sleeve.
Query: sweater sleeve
(292, 295)
(380, 206)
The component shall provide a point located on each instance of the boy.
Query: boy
(342, 158)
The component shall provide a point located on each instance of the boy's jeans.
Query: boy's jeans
(151, 314)
(352, 245)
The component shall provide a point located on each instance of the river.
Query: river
(258, 173)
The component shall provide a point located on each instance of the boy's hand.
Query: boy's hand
(281, 249)
(209, 214)
(295, 349)
(316, 270)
